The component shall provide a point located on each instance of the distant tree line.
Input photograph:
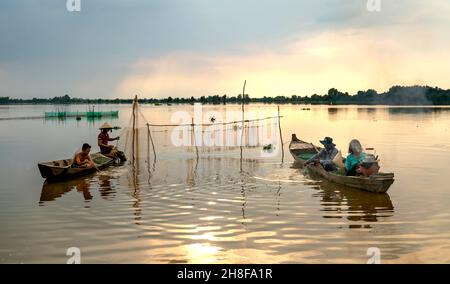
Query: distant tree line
(396, 95)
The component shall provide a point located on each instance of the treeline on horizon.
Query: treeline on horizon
(397, 95)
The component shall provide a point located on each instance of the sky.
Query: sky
(184, 48)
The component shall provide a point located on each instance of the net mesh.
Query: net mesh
(142, 140)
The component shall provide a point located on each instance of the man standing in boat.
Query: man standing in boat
(326, 155)
(103, 139)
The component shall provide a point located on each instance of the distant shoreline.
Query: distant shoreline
(237, 104)
(395, 96)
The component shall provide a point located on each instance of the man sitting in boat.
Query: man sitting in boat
(83, 159)
(103, 139)
(325, 156)
(354, 159)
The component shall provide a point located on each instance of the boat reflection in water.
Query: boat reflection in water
(54, 190)
(340, 201)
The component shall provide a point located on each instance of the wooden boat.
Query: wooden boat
(62, 170)
(301, 151)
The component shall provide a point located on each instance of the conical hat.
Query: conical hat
(106, 125)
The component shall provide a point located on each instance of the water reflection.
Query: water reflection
(106, 190)
(188, 210)
(54, 190)
(133, 184)
(417, 110)
(340, 201)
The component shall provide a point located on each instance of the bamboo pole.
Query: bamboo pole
(281, 136)
(137, 137)
(243, 125)
(194, 138)
(149, 134)
(134, 128)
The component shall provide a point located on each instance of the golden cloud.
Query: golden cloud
(349, 60)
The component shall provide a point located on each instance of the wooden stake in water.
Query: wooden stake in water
(149, 137)
(194, 138)
(242, 130)
(134, 127)
(281, 136)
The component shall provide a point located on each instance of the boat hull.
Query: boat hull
(377, 183)
(61, 170)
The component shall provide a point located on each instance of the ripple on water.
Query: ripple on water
(266, 216)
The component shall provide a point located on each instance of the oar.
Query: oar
(315, 147)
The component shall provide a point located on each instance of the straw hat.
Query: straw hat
(106, 125)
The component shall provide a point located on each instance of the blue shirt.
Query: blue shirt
(351, 161)
(324, 155)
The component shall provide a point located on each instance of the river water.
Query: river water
(180, 209)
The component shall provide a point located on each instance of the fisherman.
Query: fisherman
(83, 159)
(325, 156)
(103, 139)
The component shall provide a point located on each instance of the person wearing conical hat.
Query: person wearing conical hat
(103, 139)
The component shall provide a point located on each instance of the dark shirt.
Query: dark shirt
(324, 156)
(104, 138)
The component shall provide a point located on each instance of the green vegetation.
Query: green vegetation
(397, 95)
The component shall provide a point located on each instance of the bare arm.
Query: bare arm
(95, 166)
(76, 160)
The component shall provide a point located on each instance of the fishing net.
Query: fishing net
(99, 159)
(208, 136)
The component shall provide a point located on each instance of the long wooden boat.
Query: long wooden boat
(61, 169)
(301, 151)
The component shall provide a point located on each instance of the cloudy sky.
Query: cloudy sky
(160, 48)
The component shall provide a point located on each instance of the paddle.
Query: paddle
(315, 147)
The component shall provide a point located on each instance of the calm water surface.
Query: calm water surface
(183, 210)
